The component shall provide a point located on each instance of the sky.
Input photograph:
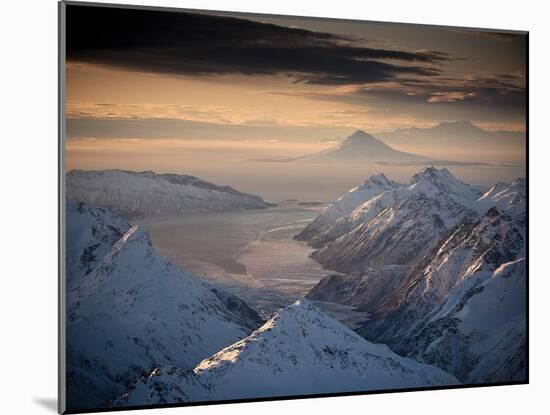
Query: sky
(153, 82)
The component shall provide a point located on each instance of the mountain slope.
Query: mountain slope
(303, 351)
(146, 193)
(395, 226)
(361, 146)
(472, 249)
(299, 351)
(486, 324)
(430, 183)
(511, 198)
(431, 298)
(415, 266)
(403, 232)
(135, 311)
(368, 291)
(343, 206)
(91, 232)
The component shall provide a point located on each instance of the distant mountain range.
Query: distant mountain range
(147, 193)
(452, 133)
(438, 266)
(448, 138)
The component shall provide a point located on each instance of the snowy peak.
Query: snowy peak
(443, 180)
(360, 134)
(433, 174)
(396, 226)
(299, 320)
(299, 351)
(364, 145)
(378, 204)
(511, 198)
(361, 146)
(303, 351)
(360, 138)
(371, 187)
(377, 180)
(400, 232)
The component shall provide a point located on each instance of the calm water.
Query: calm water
(250, 253)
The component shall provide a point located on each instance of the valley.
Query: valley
(249, 253)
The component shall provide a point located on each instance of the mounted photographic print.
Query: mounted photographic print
(259, 207)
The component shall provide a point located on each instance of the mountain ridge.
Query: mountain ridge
(415, 302)
(146, 193)
(299, 351)
(446, 138)
(135, 310)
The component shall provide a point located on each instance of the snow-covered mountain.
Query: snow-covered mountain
(464, 258)
(133, 310)
(425, 308)
(343, 206)
(398, 235)
(430, 183)
(398, 226)
(407, 227)
(372, 290)
(432, 180)
(415, 264)
(361, 146)
(91, 233)
(147, 193)
(479, 333)
(471, 250)
(510, 198)
(299, 351)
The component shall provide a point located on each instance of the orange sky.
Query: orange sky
(274, 84)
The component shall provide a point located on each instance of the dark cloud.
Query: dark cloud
(500, 36)
(480, 98)
(496, 92)
(501, 92)
(196, 44)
